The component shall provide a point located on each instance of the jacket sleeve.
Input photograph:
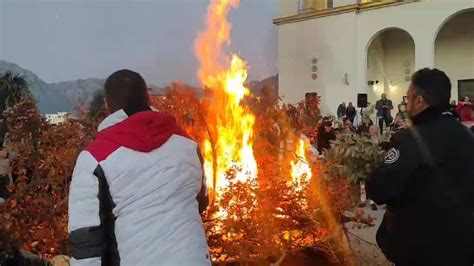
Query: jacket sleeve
(378, 105)
(387, 183)
(85, 234)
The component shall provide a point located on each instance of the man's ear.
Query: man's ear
(148, 96)
(106, 106)
(420, 102)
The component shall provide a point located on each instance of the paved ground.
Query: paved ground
(362, 239)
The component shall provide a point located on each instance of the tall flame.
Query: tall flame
(229, 144)
(300, 171)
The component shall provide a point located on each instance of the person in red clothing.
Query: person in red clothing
(464, 110)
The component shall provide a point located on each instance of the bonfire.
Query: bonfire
(268, 197)
(264, 199)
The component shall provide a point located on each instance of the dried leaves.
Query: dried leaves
(262, 220)
(44, 157)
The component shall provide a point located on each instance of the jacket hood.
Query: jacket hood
(143, 131)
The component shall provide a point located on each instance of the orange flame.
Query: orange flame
(229, 145)
(300, 171)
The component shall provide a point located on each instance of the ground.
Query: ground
(362, 240)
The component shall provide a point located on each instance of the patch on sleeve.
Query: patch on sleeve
(392, 156)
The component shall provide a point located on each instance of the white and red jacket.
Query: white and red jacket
(132, 199)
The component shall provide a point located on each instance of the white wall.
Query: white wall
(341, 43)
(335, 50)
(455, 50)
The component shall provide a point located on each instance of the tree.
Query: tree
(35, 216)
(12, 89)
(97, 109)
(265, 218)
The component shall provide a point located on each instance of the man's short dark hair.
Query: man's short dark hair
(434, 85)
(126, 89)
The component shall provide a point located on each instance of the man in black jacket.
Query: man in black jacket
(427, 182)
(351, 112)
(341, 110)
(384, 108)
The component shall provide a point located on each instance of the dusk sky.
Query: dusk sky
(70, 39)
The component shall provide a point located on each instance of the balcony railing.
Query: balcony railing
(308, 6)
(309, 9)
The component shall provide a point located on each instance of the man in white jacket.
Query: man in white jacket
(138, 189)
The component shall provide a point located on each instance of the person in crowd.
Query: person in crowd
(452, 109)
(292, 115)
(5, 174)
(351, 112)
(375, 138)
(138, 188)
(347, 127)
(401, 118)
(341, 110)
(326, 134)
(374, 135)
(428, 188)
(464, 110)
(363, 129)
(384, 108)
(301, 114)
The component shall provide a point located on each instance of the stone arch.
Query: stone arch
(454, 51)
(390, 60)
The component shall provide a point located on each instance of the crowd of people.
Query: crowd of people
(464, 109)
(139, 186)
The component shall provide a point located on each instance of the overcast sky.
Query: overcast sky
(70, 39)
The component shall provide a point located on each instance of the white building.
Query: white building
(56, 119)
(335, 47)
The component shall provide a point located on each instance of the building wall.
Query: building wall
(300, 42)
(454, 50)
(340, 42)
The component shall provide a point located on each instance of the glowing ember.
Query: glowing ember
(230, 145)
(300, 170)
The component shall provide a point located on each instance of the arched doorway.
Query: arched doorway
(454, 52)
(390, 63)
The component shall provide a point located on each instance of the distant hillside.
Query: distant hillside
(82, 91)
(48, 101)
(66, 96)
(78, 91)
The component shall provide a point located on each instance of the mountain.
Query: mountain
(82, 91)
(61, 96)
(66, 96)
(48, 101)
(77, 92)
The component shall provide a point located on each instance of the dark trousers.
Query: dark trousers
(384, 119)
